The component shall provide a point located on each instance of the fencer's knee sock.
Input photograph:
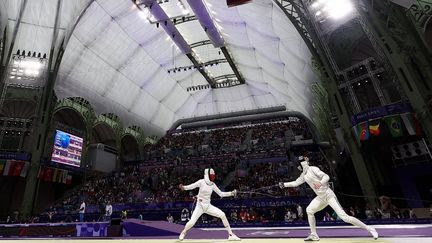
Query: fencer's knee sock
(356, 222)
(188, 226)
(312, 223)
(226, 224)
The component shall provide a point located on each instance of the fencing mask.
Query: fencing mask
(303, 163)
(209, 176)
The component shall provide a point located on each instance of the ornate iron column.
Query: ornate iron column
(297, 12)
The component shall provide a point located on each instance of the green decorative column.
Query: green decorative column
(44, 113)
(89, 118)
(118, 130)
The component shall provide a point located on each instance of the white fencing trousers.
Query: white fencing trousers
(319, 204)
(210, 210)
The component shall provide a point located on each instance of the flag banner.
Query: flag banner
(61, 175)
(18, 166)
(395, 125)
(48, 174)
(64, 177)
(55, 174)
(41, 173)
(2, 165)
(417, 125)
(363, 131)
(7, 167)
(58, 176)
(408, 121)
(24, 171)
(374, 127)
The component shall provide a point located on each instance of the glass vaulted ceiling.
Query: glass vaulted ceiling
(119, 61)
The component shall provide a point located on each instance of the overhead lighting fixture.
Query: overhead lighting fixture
(339, 8)
(27, 67)
(335, 9)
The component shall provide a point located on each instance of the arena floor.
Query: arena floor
(137, 231)
(261, 240)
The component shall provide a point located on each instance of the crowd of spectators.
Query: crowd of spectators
(297, 213)
(266, 176)
(142, 183)
(268, 138)
(265, 215)
(269, 134)
(180, 141)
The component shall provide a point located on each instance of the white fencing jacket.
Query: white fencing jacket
(311, 176)
(206, 190)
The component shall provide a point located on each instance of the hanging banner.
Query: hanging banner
(377, 112)
(15, 156)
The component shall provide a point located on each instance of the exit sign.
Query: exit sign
(232, 3)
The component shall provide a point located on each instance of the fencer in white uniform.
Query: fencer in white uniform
(206, 187)
(318, 181)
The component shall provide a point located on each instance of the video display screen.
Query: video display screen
(67, 149)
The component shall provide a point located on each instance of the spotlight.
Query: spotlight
(335, 9)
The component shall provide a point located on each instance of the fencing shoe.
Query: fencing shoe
(312, 237)
(374, 233)
(233, 237)
(182, 235)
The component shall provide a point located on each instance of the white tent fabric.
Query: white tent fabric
(119, 61)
